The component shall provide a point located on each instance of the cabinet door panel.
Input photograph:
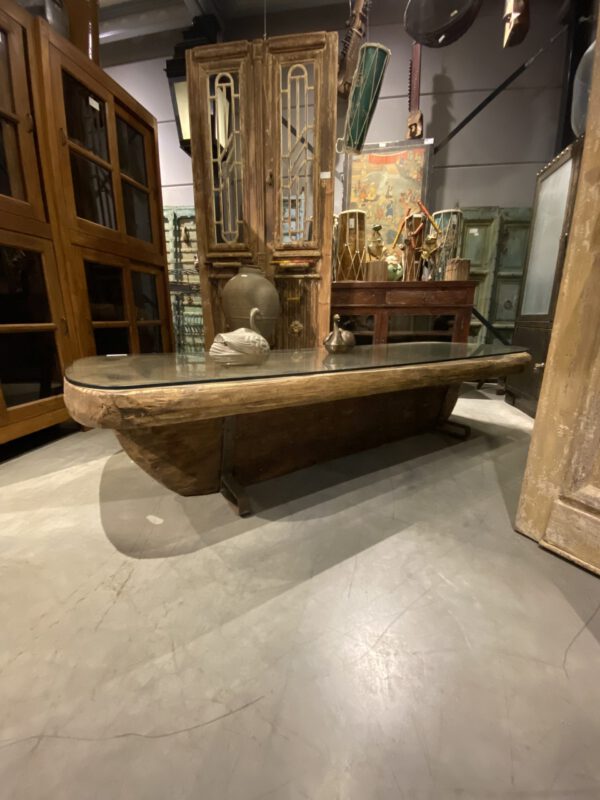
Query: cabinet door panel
(300, 146)
(35, 345)
(222, 117)
(20, 189)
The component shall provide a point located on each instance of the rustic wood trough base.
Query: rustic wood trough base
(191, 437)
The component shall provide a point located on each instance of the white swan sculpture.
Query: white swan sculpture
(242, 347)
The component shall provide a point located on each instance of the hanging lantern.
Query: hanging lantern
(364, 93)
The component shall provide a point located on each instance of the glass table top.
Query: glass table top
(173, 369)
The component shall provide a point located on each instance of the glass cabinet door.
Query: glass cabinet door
(108, 155)
(20, 192)
(87, 148)
(127, 306)
(34, 345)
(134, 149)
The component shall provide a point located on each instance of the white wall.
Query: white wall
(493, 161)
(147, 82)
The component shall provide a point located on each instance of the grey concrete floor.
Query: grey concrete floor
(377, 630)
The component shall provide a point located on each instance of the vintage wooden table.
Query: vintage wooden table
(388, 303)
(199, 428)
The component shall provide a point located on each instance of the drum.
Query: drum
(364, 93)
(351, 255)
(438, 23)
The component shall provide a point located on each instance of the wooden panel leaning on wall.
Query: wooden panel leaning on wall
(560, 498)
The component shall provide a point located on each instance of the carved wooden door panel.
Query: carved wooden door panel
(229, 218)
(300, 131)
(262, 133)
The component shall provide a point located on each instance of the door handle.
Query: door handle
(539, 366)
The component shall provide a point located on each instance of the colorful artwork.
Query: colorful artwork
(387, 184)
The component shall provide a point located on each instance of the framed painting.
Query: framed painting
(386, 181)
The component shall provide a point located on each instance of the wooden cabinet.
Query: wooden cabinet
(263, 126)
(106, 208)
(104, 147)
(412, 311)
(82, 251)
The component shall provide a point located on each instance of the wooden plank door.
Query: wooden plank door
(560, 498)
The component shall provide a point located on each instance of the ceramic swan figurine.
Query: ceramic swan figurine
(244, 346)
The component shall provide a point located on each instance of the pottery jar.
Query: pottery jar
(247, 290)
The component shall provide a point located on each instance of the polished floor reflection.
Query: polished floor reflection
(375, 631)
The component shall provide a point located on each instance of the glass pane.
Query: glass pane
(6, 95)
(137, 212)
(23, 296)
(169, 369)
(92, 186)
(111, 341)
(11, 174)
(547, 230)
(145, 295)
(86, 117)
(476, 243)
(150, 339)
(297, 151)
(29, 367)
(132, 158)
(105, 291)
(226, 140)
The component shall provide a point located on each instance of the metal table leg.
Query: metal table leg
(231, 488)
(458, 430)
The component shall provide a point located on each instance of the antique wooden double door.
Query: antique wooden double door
(263, 121)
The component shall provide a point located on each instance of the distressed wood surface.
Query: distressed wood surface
(559, 500)
(187, 457)
(281, 441)
(131, 408)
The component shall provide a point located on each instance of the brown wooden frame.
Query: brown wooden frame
(80, 256)
(27, 417)
(38, 94)
(258, 64)
(57, 54)
(17, 25)
(572, 152)
(414, 298)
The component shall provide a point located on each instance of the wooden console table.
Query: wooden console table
(199, 428)
(385, 299)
